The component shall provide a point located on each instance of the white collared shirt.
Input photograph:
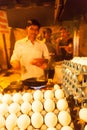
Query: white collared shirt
(24, 52)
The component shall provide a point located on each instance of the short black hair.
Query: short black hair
(33, 22)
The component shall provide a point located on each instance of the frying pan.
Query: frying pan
(34, 82)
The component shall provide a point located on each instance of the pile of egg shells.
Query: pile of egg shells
(35, 110)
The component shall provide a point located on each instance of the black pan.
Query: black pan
(34, 82)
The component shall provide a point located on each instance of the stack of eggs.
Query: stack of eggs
(38, 109)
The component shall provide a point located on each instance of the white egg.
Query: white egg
(37, 120)
(49, 105)
(3, 128)
(66, 128)
(25, 107)
(38, 95)
(83, 114)
(11, 121)
(62, 104)
(2, 121)
(51, 128)
(85, 128)
(37, 106)
(14, 108)
(3, 109)
(27, 97)
(30, 127)
(43, 127)
(17, 97)
(50, 119)
(23, 121)
(64, 118)
(48, 94)
(59, 94)
(7, 99)
(56, 86)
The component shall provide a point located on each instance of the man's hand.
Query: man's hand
(40, 62)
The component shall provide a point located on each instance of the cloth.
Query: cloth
(24, 52)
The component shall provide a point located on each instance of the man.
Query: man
(64, 46)
(49, 44)
(30, 56)
(51, 49)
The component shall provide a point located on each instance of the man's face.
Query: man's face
(63, 33)
(33, 31)
(47, 35)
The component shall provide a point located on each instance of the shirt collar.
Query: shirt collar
(26, 40)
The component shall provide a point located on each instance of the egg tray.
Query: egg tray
(58, 126)
(75, 79)
(74, 107)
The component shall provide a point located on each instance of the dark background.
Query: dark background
(48, 12)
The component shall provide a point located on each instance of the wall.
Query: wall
(11, 37)
(3, 53)
(83, 36)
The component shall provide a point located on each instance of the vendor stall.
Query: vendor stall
(51, 106)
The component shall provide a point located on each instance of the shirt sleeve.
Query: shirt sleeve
(16, 52)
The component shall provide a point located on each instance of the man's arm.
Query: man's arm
(15, 64)
(40, 62)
